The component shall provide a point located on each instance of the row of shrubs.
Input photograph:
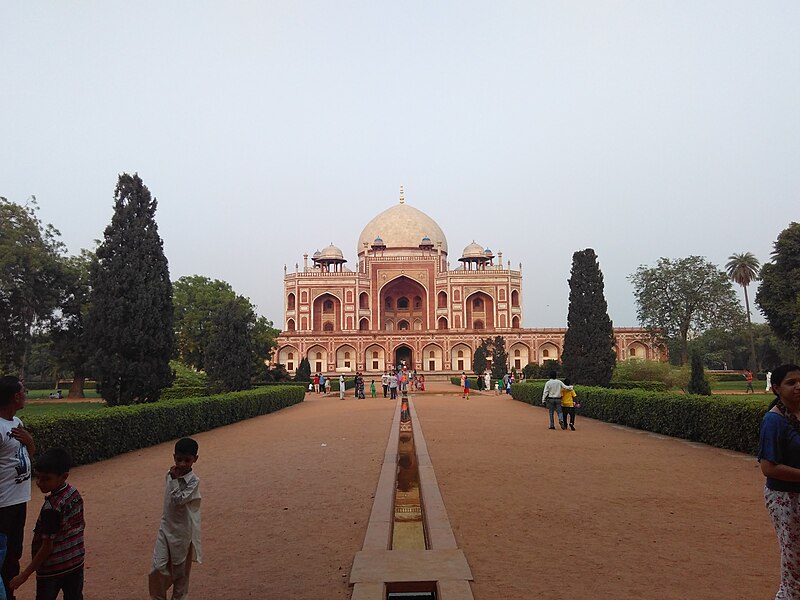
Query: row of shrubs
(649, 386)
(101, 434)
(719, 421)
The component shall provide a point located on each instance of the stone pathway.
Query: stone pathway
(602, 512)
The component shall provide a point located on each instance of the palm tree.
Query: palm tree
(742, 269)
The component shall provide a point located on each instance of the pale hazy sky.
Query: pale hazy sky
(268, 129)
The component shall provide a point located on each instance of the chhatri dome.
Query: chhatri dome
(401, 226)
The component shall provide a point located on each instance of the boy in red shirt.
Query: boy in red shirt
(57, 547)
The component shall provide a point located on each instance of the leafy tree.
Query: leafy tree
(683, 296)
(31, 279)
(71, 350)
(264, 338)
(130, 320)
(743, 269)
(229, 352)
(479, 362)
(499, 357)
(195, 300)
(589, 355)
(303, 372)
(698, 384)
(778, 295)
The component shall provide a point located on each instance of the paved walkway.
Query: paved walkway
(603, 512)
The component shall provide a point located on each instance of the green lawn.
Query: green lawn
(758, 386)
(59, 408)
(43, 394)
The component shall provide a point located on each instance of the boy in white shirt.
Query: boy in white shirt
(178, 539)
(16, 446)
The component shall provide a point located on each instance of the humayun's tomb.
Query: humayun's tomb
(404, 303)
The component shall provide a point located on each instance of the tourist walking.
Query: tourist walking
(393, 386)
(385, 383)
(341, 387)
(748, 377)
(779, 456)
(568, 404)
(551, 395)
(466, 388)
(321, 383)
(769, 381)
(316, 382)
(16, 446)
(487, 380)
(327, 385)
(372, 388)
(463, 379)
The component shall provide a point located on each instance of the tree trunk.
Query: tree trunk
(753, 367)
(76, 387)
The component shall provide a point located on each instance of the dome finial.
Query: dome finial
(402, 196)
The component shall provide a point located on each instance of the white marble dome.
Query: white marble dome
(473, 250)
(331, 253)
(401, 226)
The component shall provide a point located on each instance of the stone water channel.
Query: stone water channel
(409, 550)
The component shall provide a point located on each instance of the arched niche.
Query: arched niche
(327, 311)
(397, 299)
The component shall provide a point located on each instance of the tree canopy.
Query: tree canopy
(778, 295)
(195, 301)
(684, 296)
(229, 352)
(31, 279)
(130, 320)
(588, 357)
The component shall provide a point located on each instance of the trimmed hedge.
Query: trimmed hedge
(183, 391)
(101, 434)
(719, 421)
(649, 386)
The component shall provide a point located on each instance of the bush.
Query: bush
(650, 386)
(101, 434)
(186, 376)
(715, 420)
(473, 382)
(176, 392)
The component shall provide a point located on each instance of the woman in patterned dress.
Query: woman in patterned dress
(779, 455)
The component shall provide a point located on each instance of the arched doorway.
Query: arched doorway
(402, 301)
(404, 355)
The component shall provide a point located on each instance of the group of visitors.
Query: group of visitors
(322, 384)
(57, 549)
(559, 396)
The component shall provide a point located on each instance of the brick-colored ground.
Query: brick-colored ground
(599, 513)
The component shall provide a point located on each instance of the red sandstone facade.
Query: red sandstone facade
(404, 303)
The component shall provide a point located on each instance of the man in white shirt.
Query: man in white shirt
(551, 395)
(16, 446)
(385, 384)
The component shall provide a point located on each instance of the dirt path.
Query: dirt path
(599, 513)
(286, 498)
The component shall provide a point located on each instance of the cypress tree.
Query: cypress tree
(588, 357)
(303, 372)
(479, 361)
(698, 384)
(130, 321)
(499, 357)
(229, 352)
